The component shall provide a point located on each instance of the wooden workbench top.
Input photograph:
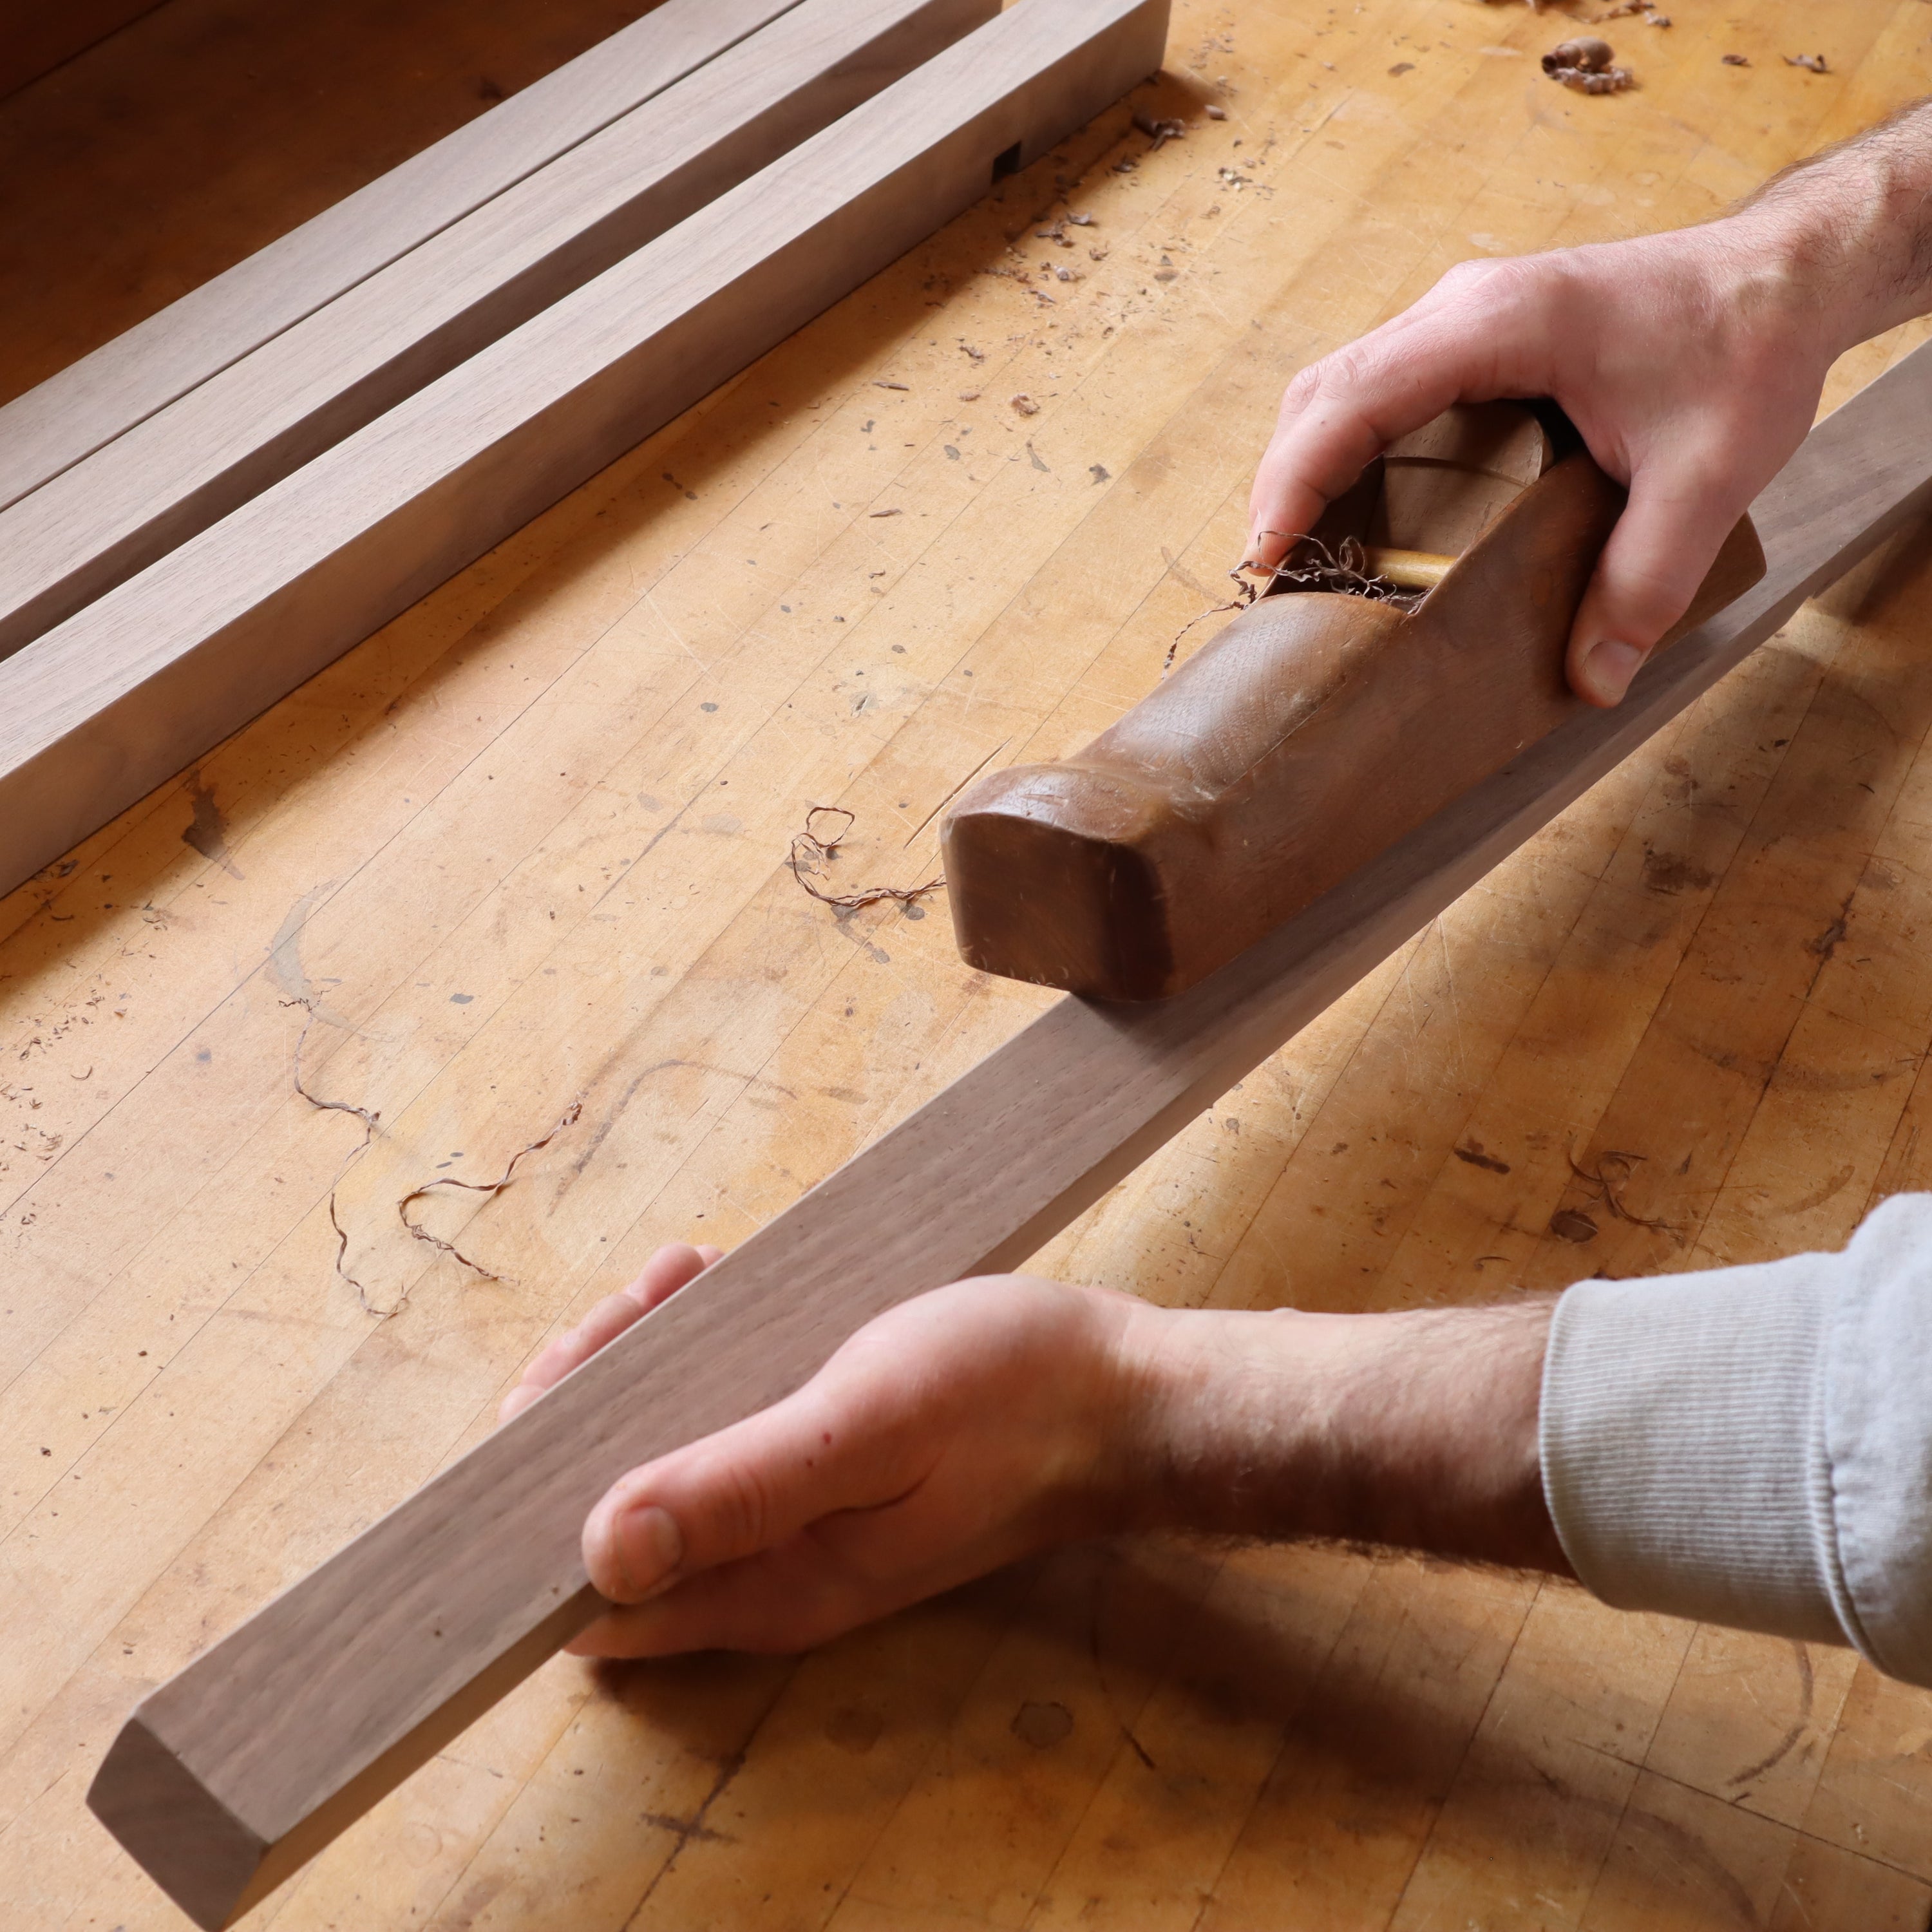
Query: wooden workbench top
(525, 847)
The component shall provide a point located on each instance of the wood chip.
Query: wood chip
(1158, 132)
(1025, 404)
(877, 384)
(1586, 51)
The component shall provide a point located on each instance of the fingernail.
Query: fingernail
(649, 1547)
(1608, 665)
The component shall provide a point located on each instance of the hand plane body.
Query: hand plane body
(1315, 731)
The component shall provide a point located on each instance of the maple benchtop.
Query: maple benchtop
(528, 842)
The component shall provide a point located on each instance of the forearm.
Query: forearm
(1417, 1430)
(1848, 232)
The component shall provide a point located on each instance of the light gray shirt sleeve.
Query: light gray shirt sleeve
(1752, 1446)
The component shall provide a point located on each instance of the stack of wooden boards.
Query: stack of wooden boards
(200, 514)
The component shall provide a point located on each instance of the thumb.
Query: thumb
(738, 1492)
(1663, 547)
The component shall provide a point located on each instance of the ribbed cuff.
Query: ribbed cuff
(1683, 1446)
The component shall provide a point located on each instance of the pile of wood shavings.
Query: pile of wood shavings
(1309, 563)
(1586, 64)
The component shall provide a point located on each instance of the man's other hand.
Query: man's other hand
(1691, 362)
(964, 1429)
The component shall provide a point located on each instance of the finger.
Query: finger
(670, 1268)
(784, 1599)
(1678, 515)
(1344, 411)
(747, 1488)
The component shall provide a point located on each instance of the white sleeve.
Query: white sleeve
(1752, 1446)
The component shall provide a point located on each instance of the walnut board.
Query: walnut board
(121, 384)
(1714, 959)
(244, 427)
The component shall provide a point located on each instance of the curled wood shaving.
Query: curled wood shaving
(1584, 64)
(341, 1253)
(1308, 562)
(1158, 132)
(488, 1189)
(1815, 63)
(1585, 80)
(368, 1117)
(812, 854)
(1239, 602)
(1613, 1176)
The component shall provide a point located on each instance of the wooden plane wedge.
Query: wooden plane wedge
(1320, 726)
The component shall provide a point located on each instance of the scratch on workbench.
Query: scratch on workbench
(650, 603)
(955, 791)
(1455, 1005)
(694, 1827)
(601, 1131)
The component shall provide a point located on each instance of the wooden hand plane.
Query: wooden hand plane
(1319, 726)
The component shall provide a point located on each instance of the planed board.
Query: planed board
(121, 696)
(125, 381)
(271, 411)
(227, 1776)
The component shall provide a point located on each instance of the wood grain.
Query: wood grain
(246, 427)
(230, 1775)
(108, 392)
(124, 693)
(35, 39)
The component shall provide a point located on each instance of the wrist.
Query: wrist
(1845, 234)
(1772, 284)
(1416, 1429)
